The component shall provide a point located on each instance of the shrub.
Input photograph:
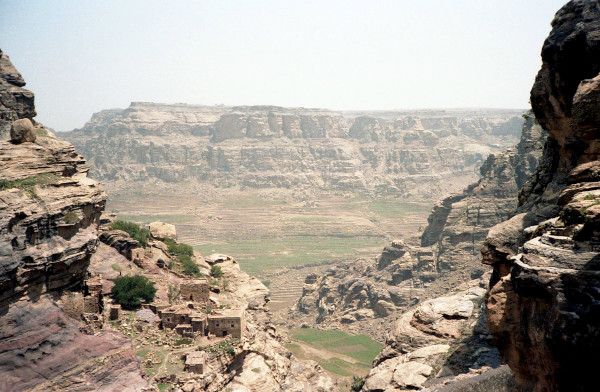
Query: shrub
(189, 267)
(216, 271)
(357, 383)
(41, 132)
(71, 218)
(137, 233)
(173, 293)
(27, 184)
(179, 249)
(130, 290)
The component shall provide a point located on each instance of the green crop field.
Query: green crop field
(338, 352)
(360, 347)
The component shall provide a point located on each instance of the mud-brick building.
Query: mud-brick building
(197, 290)
(194, 362)
(183, 320)
(227, 322)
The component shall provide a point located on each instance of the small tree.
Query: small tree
(130, 290)
(216, 271)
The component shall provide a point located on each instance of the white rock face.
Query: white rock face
(277, 147)
(411, 374)
(161, 230)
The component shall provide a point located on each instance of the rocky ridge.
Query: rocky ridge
(275, 147)
(49, 211)
(543, 303)
(361, 295)
(57, 329)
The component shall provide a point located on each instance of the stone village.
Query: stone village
(192, 315)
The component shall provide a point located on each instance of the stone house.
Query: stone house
(197, 290)
(226, 322)
(185, 320)
(194, 362)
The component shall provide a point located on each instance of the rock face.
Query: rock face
(161, 230)
(15, 101)
(459, 223)
(22, 131)
(41, 348)
(275, 147)
(543, 308)
(403, 274)
(49, 211)
(440, 338)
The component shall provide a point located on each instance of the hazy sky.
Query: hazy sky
(80, 57)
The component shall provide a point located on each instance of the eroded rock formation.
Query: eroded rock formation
(459, 223)
(275, 147)
(543, 308)
(49, 211)
(353, 295)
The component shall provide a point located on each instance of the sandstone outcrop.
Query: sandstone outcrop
(49, 212)
(543, 304)
(436, 343)
(404, 274)
(161, 230)
(459, 223)
(22, 131)
(15, 101)
(274, 147)
(58, 328)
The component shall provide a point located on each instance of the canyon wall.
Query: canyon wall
(544, 306)
(49, 211)
(406, 153)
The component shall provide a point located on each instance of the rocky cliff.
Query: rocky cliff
(275, 147)
(49, 211)
(356, 295)
(459, 223)
(543, 304)
(55, 279)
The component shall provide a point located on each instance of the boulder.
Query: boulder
(411, 375)
(22, 131)
(161, 231)
(384, 308)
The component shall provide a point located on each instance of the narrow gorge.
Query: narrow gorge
(187, 248)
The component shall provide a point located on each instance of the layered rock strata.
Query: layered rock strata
(434, 342)
(459, 223)
(353, 295)
(543, 304)
(275, 147)
(49, 212)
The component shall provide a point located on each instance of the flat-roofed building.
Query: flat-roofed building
(226, 322)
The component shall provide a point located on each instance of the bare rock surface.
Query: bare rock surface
(22, 131)
(294, 148)
(49, 211)
(15, 101)
(405, 274)
(161, 230)
(41, 348)
(436, 343)
(543, 304)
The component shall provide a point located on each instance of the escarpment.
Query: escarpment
(543, 304)
(49, 208)
(49, 212)
(404, 153)
(354, 293)
(61, 325)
